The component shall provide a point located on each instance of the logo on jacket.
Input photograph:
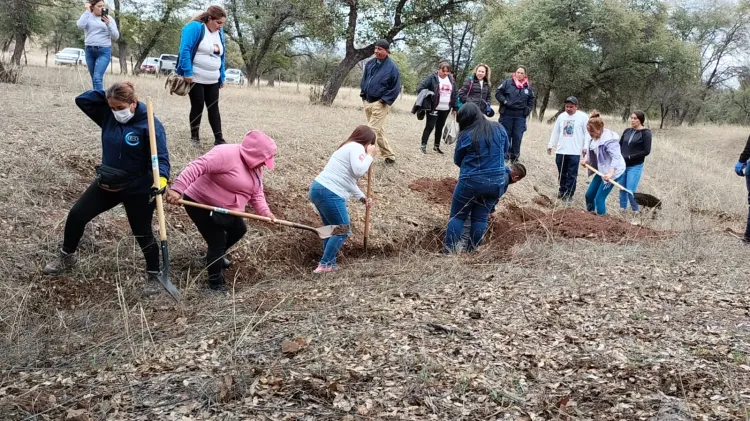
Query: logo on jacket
(132, 139)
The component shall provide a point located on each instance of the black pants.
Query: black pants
(95, 201)
(567, 170)
(205, 94)
(436, 122)
(219, 237)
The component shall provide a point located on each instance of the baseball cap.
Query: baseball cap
(572, 100)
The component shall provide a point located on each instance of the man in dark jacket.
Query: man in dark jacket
(741, 169)
(516, 100)
(443, 103)
(380, 86)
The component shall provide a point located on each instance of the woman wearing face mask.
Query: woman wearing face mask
(125, 175)
(100, 31)
(201, 63)
(476, 89)
(635, 145)
(229, 176)
(604, 155)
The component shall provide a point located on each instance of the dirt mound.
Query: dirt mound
(438, 191)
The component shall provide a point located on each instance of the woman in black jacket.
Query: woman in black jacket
(476, 89)
(635, 145)
(516, 100)
(443, 103)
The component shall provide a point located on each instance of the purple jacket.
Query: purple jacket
(606, 154)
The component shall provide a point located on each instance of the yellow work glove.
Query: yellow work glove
(162, 182)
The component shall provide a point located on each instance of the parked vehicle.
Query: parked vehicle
(150, 65)
(235, 76)
(168, 62)
(71, 57)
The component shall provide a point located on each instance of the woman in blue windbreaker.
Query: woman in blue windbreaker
(201, 63)
(480, 151)
(125, 176)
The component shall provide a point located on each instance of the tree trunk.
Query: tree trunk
(664, 111)
(122, 46)
(271, 83)
(338, 74)
(545, 103)
(683, 115)
(46, 55)
(20, 47)
(155, 37)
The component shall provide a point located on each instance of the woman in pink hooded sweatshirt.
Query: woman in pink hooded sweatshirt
(229, 176)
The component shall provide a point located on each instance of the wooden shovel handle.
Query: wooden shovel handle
(369, 195)
(615, 183)
(155, 168)
(245, 215)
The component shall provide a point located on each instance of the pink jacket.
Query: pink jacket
(229, 176)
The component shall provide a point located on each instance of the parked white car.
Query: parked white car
(71, 57)
(150, 65)
(167, 63)
(235, 76)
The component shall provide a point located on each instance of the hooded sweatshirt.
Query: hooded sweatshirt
(230, 175)
(606, 154)
(126, 146)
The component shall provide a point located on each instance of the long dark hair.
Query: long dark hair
(363, 135)
(470, 118)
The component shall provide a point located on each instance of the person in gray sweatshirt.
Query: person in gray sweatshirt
(100, 30)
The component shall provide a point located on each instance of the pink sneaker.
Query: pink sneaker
(323, 269)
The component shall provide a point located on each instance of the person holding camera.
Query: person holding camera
(125, 176)
(100, 30)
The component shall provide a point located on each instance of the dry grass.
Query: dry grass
(551, 329)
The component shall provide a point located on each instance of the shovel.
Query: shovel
(367, 210)
(615, 183)
(164, 274)
(323, 232)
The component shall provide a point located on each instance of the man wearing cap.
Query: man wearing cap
(380, 86)
(571, 139)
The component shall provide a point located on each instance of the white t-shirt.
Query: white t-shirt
(570, 136)
(445, 88)
(344, 168)
(207, 62)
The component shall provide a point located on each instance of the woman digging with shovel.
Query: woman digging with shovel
(605, 157)
(229, 176)
(336, 183)
(125, 176)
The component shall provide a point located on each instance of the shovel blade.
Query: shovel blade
(331, 230)
(164, 274)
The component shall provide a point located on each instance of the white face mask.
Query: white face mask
(123, 116)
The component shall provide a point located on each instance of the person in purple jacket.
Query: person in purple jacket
(604, 155)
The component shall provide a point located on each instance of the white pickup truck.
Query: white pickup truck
(168, 62)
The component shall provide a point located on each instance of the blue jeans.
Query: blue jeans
(97, 60)
(747, 183)
(632, 178)
(567, 171)
(596, 195)
(515, 126)
(475, 196)
(332, 210)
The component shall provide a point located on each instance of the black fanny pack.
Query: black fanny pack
(113, 179)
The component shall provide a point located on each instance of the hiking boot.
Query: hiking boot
(153, 286)
(390, 161)
(220, 142)
(423, 148)
(437, 149)
(217, 283)
(225, 263)
(63, 262)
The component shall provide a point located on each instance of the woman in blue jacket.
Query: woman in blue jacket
(201, 63)
(125, 176)
(480, 150)
(516, 100)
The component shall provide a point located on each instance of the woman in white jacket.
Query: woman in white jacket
(336, 183)
(604, 155)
